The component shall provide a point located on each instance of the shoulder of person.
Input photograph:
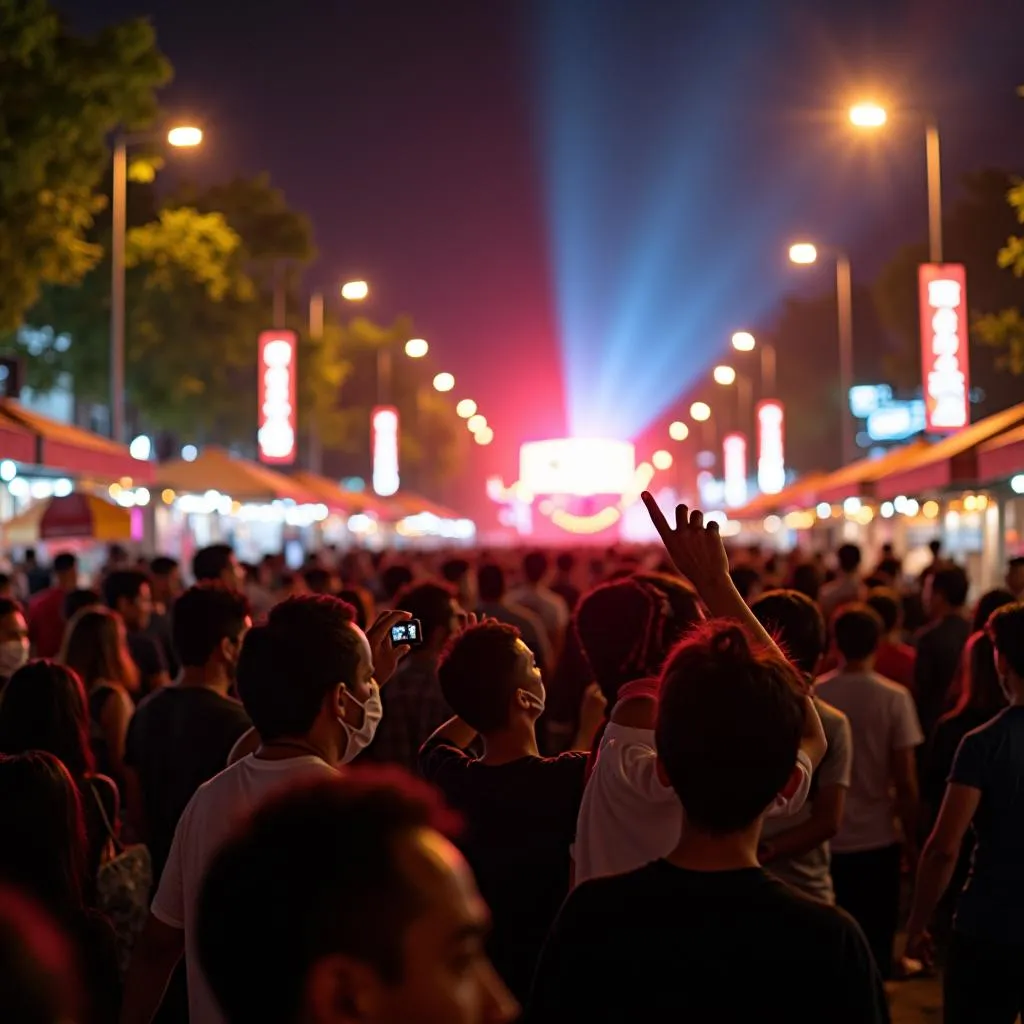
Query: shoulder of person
(440, 754)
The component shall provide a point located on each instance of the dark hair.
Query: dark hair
(203, 616)
(288, 666)
(44, 708)
(394, 578)
(857, 629)
(797, 625)
(41, 818)
(935, 546)
(952, 583)
(65, 562)
(729, 724)
(490, 581)
(745, 578)
(535, 566)
(565, 562)
(454, 570)
(680, 606)
(8, 606)
(78, 599)
(317, 579)
(211, 562)
(163, 565)
(313, 873)
(124, 583)
(477, 674)
(807, 580)
(1006, 630)
(94, 647)
(848, 556)
(989, 602)
(890, 567)
(888, 605)
(357, 602)
(979, 687)
(431, 603)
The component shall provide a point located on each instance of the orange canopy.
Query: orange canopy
(217, 470)
(78, 515)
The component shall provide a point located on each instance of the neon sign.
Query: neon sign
(771, 447)
(578, 466)
(385, 451)
(944, 353)
(276, 396)
(734, 463)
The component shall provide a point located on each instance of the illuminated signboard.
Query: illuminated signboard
(577, 466)
(771, 447)
(896, 421)
(944, 357)
(385, 451)
(867, 398)
(276, 396)
(734, 462)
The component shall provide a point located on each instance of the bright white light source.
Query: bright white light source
(8, 471)
(887, 510)
(700, 411)
(190, 453)
(803, 253)
(1017, 484)
(851, 506)
(476, 423)
(466, 408)
(743, 341)
(444, 382)
(577, 466)
(772, 524)
(18, 487)
(141, 448)
(355, 291)
(62, 487)
(662, 459)
(678, 431)
(725, 375)
(142, 496)
(484, 436)
(824, 510)
(416, 348)
(868, 115)
(185, 136)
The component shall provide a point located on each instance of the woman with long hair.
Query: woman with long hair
(95, 646)
(43, 855)
(44, 707)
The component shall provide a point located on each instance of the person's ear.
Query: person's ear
(341, 990)
(337, 706)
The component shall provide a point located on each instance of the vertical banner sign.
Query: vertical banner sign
(942, 291)
(734, 463)
(771, 447)
(276, 393)
(385, 450)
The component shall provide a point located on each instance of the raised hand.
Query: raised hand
(385, 656)
(695, 549)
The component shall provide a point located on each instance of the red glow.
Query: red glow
(276, 396)
(942, 291)
(734, 461)
(771, 451)
(386, 480)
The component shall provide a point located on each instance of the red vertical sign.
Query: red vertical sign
(771, 446)
(946, 379)
(734, 469)
(386, 480)
(276, 393)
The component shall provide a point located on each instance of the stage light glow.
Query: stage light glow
(578, 466)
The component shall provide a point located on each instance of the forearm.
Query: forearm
(933, 875)
(724, 602)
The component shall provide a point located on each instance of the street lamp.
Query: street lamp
(466, 408)
(416, 348)
(724, 375)
(355, 291)
(678, 431)
(662, 459)
(872, 115)
(744, 341)
(444, 382)
(476, 423)
(727, 377)
(485, 436)
(180, 137)
(804, 253)
(700, 411)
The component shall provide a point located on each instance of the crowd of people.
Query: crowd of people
(629, 784)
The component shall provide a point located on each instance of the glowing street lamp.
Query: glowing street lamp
(184, 136)
(444, 382)
(678, 431)
(485, 436)
(700, 411)
(743, 341)
(466, 408)
(416, 348)
(868, 115)
(803, 253)
(662, 459)
(476, 423)
(355, 291)
(724, 375)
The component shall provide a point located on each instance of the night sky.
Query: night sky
(572, 196)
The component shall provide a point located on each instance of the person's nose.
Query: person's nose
(499, 1005)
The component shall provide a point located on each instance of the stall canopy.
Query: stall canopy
(800, 494)
(1001, 457)
(242, 480)
(337, 499)
(16, 442)
(858, 479)
(406, 504)
(74, 516)
(68, 449)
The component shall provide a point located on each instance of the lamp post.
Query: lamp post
(805, 254)
(744, 341)
(727, 376)
(181, 136)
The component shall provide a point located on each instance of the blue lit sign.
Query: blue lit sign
(896, 421)
(867, 398)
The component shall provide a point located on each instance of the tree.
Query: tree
(61, 95)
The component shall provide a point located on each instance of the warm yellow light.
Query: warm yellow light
(803, 253)
(700, 411)
(355, 291)
(868, 115)
(185, 135)
(466, 408)
(444, 382)
(167, 496)
(416, 348)
(485, 436)
(743, 341)
(476, 423)
(982, 502)
(662, 459)
(724, 375)
(114, 490)
(930, 510)
(678, 431)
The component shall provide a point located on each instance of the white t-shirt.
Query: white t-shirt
(206, 822)
(628, 817)
(882, 719)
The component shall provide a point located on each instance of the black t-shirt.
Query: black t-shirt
(992, 759)
(520, 823)
(179, 738)
(730, 947)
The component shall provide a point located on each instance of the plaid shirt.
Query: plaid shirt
(413, 708)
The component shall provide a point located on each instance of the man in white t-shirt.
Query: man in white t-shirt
(867, 850)
(306, 679)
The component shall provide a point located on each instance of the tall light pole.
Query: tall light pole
(873, 115)
(805, 254)
(727, 376)
(744, 341)
(180, 136)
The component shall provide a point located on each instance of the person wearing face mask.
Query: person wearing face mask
(13, 640)
(520, 808)
(306, 679)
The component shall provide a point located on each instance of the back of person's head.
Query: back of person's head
(431, 603)
(480, 671)
(535, 566)
(39, 981)
(848, 557)
(490, 581)
(357, 601)
(681, 610)
(952, 585)
(78, 599)
(394, 578)
(163, 565)
(979, 679)
(565, 562)
(454, 570)
(797, 625)
(891, 568)
(287, 666)
(889, 607)
(331, 872)
(208, 619)
(857, 629)
(123, 585)
(94, 647)
(935, 547)
(988, 603)
(747, 580)
(807, 580)
(318, 580)
(44, 708)
(1006, 630)
(211, 562)
(730, 719)
(65, 562)
(40, 806)
(8, 606)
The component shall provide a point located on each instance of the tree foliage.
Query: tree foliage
(61, 95)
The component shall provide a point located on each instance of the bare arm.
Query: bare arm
(114, 719)
(156, 955)
(823, 824)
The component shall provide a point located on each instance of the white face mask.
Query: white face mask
(359, 739)
(13, 654)
(534, 701)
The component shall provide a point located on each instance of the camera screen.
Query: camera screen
(404, 633)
